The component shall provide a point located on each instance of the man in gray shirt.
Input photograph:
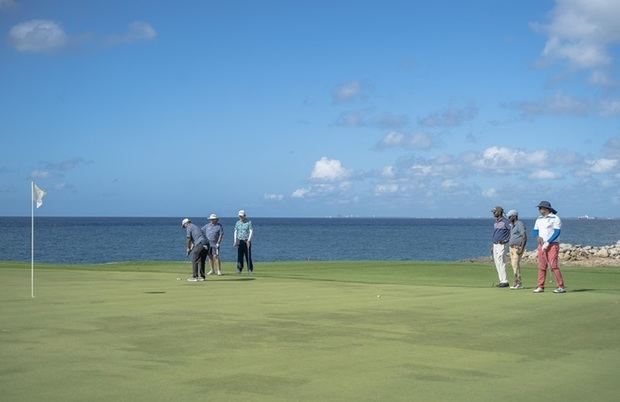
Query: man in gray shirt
(196, 250)
(214, 232)
(518, 239)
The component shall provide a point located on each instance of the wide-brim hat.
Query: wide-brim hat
(547, 205)
(213, 216)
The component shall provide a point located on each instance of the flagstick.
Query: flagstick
(32, 240)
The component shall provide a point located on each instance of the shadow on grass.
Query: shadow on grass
(233, 279)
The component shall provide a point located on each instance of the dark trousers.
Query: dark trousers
(198, 257)
(244, 250)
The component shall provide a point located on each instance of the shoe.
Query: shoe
(517, 286)
(200, 279)
(503, 285)
(559, 290)
(219, 273)
(238, 272)
(250, 273)
(539, 290)
(210, 272)
(192, 279)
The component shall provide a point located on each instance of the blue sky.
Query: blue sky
(375, 108)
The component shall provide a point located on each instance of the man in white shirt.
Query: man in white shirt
(547, 230)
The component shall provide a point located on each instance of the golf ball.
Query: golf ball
(378, 295)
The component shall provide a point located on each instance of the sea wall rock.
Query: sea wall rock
(583, 255)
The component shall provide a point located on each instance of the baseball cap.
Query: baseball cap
(512, 212)
(241, 213)
(184, 221)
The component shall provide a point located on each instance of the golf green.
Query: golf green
(306, 331)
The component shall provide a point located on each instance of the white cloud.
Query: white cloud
(393, 121)
(502, 159)
(411, 141)
(388, 171)
(388, 188)
(329, 170)
(357, 118)
(40, 174)
(37, 36)
(489, 193)
(367, 118)
(348, 91)
(581, 32)
(544, 175)
(450, 118)
(300, 193)
(274, 197)
(610, 107)
(441, 166)
(137, 31)
(600, 78)
(449, 183)
(558, 104)
(612, 148)
(423, 170)
(64, 166)
(602, 165)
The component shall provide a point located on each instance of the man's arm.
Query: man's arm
(524, 240)
(554, 236)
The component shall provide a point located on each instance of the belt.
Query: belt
(500, 242)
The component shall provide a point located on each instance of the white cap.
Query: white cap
(512, 212)
(185, 221)
(241, 213)
(213, 216)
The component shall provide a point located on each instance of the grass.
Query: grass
(307, 331)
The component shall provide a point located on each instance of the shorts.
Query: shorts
(213, 251)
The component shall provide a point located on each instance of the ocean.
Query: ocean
(105, 240)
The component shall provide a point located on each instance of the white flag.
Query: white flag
(37, 195)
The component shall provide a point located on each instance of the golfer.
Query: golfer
(547, 230)
(214, 233)
(518, 239)
(242, 239)
(499, 248)
(195, 249)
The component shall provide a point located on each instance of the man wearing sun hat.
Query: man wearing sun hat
(242, 239)
(547, 230)
(214, 233)
(195, 249)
